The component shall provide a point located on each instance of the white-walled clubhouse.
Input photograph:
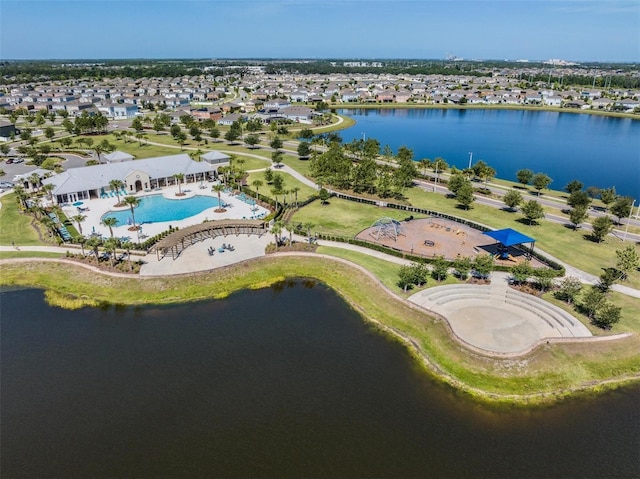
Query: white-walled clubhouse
(90, 182)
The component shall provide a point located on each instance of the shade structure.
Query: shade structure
(509, 237)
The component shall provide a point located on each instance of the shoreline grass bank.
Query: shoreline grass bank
(543, 376)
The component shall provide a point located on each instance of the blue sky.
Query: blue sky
(605, 30)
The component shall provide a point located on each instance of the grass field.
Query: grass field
(288, 183)
(385, 271)
(344, 218)
(564, 243)
(16, 226)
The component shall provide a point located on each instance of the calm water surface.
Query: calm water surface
(281, 382)
(597, 150)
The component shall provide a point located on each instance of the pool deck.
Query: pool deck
(235, 209)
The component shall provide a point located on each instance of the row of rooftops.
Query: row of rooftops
(177, 92)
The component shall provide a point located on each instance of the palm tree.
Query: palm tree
(109, 222)
(132, 202)
(81, 240)
(179, 177)
(49, 224)
(21, 195)
(308, 226)
(79, 219)
(111, 246)
(48, 188)
(257, 184)
(116, 186)
(94, 243)
(127, 245)
(34, 179)
(218, 189)
(276, 229)
(295, 190)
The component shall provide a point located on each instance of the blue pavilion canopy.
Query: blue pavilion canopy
(509, 237)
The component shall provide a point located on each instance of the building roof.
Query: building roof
(509, 237)
(98, 176)
(215, 156)
(118, 156)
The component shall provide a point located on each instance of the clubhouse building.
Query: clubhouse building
(85, 183)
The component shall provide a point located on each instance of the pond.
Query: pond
(279, 382)
(597, 150)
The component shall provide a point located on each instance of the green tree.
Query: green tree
(132, 202)
(577, 215)
(601, 227)
(109, 222)
(79, 219)
(49, 132)
(257, 184)
(440, 267)
(464, 196)
(607, 315)
(456, 182)
(252, 140)
(483, 264)
(579, 198)
(324, 195)
(512, 199)
(627, 260)
(462, 266)
(591, 301)
(520, 272)
(532, 210)
(544, 278)
(405, 277)
(174, 130)
(179, 177)
(306, 133)
(622, 207)
(524, 176)
(276, 143)
(181, 138)
(218, 188)
(304, 150)
(568, 289)
(608, 195)
(541, 181)
(116, 186)
(94, 243)
(137, 125)
(573, 186)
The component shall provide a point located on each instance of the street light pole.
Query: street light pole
(470, 158)
(629, 219)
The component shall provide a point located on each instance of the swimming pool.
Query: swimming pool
(157, 209)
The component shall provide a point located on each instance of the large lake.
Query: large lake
(280, 382)
(597, 150)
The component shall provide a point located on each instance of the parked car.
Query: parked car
(18, 160)
(10, 160)
(6, 184)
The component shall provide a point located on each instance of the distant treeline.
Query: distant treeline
(623, 75)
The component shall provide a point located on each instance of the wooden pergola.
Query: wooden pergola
(178, 241)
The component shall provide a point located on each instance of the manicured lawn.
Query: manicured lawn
(252, 163)
(16, 226)
(345, 218)
(385, 271)
(564, 243)
(28, 254)
(288, 182)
